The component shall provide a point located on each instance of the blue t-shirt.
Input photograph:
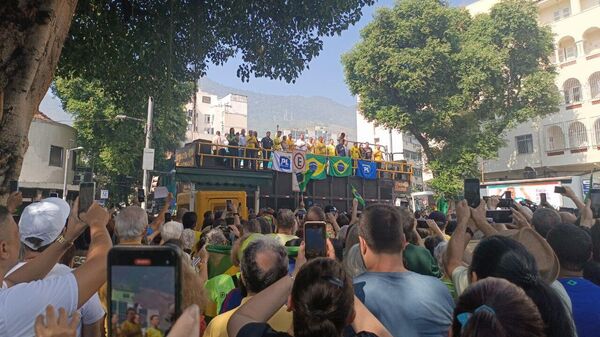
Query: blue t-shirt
(585, 297)
(407, 304)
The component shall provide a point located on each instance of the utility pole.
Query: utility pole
(147, 147)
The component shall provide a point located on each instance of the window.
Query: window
(208, 119)
(555, 139)
(577, 135)
(56, 156)
(190, 113)
(556, 15)
(572, 90)
(595, 85)
(566, 12)
(206, 99)
(570, 53)
(411, 155)
(597, 131)
(524, 144)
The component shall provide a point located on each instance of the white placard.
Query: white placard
(148, 162)
(161, 192)
(103, 194)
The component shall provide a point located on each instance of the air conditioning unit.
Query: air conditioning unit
(529, 173)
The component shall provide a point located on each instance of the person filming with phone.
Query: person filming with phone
(25, 293)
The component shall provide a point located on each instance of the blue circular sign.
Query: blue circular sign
(312, 166)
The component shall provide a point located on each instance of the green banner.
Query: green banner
(340, 166)
(316, 164)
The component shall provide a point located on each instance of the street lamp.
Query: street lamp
(67, 155)
(147, 148)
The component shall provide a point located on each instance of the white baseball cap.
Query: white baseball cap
(43, 220)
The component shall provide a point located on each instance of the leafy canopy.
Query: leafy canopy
(119, 52)
(456, 82)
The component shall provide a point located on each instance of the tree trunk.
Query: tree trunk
(32, 35)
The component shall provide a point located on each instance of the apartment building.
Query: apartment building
(207, 114)
(566, 143)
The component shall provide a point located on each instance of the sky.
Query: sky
(325, 76)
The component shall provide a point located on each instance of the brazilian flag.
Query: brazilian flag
(340, 166)
(316, 165)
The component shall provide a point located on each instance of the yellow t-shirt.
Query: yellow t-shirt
(291, 144)
(152, 332)
(252, 142)
(378, 155)
(355, 152)
(131, 329)
(320, 148)
(281, 321)
(331, 150)
(277, 144)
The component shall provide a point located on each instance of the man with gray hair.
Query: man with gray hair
(130, 225)
(263, 263)
(544, 220)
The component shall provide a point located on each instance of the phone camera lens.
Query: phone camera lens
(168, 262)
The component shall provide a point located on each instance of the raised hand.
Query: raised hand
(56, 327)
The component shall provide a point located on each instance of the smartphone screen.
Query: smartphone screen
(595, 198)
(141, 196)
(559, 189)
(543, 198)
(144, 289)
(228, 205)
(87, 191)
(472, 192)
(315, 236)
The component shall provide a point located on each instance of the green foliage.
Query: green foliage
(120, 52)
(454, 81)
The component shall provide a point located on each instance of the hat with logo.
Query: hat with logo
(42, 222)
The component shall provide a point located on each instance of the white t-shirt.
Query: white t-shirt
(91, 312)
(23, 302)
(300, 145)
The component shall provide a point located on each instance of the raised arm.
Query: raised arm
(92, 274)
(160, 218)
(354, 218)
(479, 217)
(39, 267)
(571, 195)
(460, 238)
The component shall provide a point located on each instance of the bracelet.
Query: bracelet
(61, 239)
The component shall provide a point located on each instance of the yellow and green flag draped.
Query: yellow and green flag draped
(316, 165)
(340, 166)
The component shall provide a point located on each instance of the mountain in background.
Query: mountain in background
(265, 112)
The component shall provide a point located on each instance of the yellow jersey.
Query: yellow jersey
(378, 155)
(291, 144)
(277, 144)
(331, 150)
(320, 148)
(355, 152)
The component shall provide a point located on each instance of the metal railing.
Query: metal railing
(243, 157)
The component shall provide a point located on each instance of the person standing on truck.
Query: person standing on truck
(340, 149)
(331, 148)
(252, 148)
(243, 142)
(277, 142)
(284, 144)
(218, 148)
(320, 147)
(291, 143)
(233, 141)
(301, 143)
(267, 145)
(310, 145)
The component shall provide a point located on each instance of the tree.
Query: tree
(456, 82)
(114, 43)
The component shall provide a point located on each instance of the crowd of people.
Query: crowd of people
(249, 146)
(386, 272)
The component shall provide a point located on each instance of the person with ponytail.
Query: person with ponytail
(495, 307)
(321, 298)
(502, 257)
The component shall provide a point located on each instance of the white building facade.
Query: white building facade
(44, 162)
(207, 114)
(566, 143)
